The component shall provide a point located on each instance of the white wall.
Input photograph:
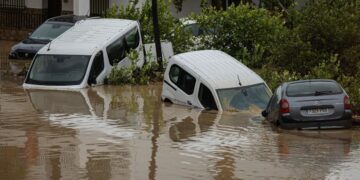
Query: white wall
(68, 6)
(118, 2)
(40, 4)
(81, 7)
(188, 7)
(124, 3)
(34, 4)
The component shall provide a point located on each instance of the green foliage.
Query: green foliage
(275, 77)
(242, 31)
(277, 5)
(170, 28)
(318, 31)
(134, 74)
(322, 41)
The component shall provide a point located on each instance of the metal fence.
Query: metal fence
(98, 7)
(21, 19)
(14, 14)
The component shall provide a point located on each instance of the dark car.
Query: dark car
(309, 103)
(46, 32)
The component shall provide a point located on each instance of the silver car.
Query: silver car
(309, 103)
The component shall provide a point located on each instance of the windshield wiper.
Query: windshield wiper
(318, 93)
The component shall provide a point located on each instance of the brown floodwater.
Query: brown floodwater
(127, 132)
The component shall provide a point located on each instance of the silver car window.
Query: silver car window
(312, 88)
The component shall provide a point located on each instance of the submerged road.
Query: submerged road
(113, 132)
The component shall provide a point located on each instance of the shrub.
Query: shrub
(318, 31)
(275, 77)
(134, 74)
(170, 28)
(242, 31)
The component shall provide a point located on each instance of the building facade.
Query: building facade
(19, 17)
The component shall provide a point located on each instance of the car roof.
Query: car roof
(66, 18)
(88, 36)
(286, 84)
(218, 69)
(308, 80)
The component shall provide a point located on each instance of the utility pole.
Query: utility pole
(157, 34)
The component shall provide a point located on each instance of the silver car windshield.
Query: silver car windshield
(49, 31)
(58, 69)
(244, 98)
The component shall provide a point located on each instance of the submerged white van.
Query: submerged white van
(212, 79)
(85, 54)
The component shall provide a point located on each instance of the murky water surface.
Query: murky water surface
(112, 132)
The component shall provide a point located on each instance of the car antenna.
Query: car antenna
(48, 49)
(239, 80)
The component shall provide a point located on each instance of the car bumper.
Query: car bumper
(345, 121)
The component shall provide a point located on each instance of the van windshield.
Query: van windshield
(253, 97)
(58, 69)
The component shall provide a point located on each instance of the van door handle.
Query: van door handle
(189, 103)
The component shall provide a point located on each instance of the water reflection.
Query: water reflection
(106, 121)
(76, 110)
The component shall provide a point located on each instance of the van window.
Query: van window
(133, 39)
(116, 51)
(182, 79)
(96, 68)
(206, 98)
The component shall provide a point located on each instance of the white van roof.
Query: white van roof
(88, 35)
(218, 69)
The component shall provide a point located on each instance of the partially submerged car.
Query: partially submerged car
(45, 33)
(85, 54)
(309, 103)
(212, 79)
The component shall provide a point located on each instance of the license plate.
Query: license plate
(318, 111)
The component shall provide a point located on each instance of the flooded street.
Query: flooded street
(127, 132)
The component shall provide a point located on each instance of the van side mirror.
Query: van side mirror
(264, 113)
